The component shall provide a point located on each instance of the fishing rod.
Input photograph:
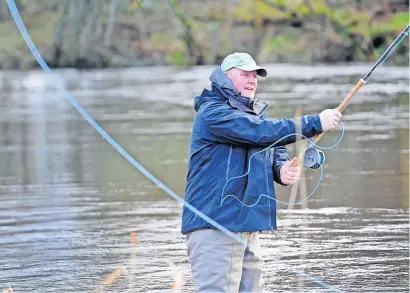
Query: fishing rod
(312, 157)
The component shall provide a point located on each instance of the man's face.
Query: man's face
(244, 82)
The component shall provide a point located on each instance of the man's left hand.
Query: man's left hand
(289, 175)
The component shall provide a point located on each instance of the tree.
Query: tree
(193, 48)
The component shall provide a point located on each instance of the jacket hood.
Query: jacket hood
(219, 79)
(206, 96)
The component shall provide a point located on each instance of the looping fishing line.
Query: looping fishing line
(312, 143)
(29, 42)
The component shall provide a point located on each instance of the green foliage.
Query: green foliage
(136, 4)
(359, 25)
(283, 44)
(14, 40)
(165, 42)
(173, 49)
(394, 25)
(41, 30)
(400, 20)
(257, 10)
(177, 32)
(320, 7)
(279, 2)
(177, 59)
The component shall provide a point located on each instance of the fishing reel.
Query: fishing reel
(314, 158)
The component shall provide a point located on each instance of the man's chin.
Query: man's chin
(250, 95)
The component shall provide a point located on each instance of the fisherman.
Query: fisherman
(230, 126)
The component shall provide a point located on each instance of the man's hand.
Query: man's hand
(329, 118)
(289, 175)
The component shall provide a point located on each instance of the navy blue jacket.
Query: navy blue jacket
(227, 130)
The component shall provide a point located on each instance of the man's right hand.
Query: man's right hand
(329, 118)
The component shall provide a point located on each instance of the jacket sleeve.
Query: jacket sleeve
(232, 126)
(280, 157)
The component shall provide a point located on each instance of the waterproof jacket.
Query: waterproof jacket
(227, 130)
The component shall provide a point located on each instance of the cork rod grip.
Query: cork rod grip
(340, 108)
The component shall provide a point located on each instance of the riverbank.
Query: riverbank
(101, 34)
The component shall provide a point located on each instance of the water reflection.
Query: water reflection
(69, 200)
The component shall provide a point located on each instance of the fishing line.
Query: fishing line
(312, 143)
(24, 33)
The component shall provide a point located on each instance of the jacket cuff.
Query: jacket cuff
(317, 123)
(278, 179)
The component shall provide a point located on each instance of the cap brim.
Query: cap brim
(259, 70)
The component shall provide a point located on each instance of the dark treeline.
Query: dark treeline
(114, 33)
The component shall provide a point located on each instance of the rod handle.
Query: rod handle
(340, 108)
(346, 100)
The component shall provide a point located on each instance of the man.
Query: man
(230, 126)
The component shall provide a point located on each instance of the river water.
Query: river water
(69, 201)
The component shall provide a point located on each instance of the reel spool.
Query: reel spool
(314, 158)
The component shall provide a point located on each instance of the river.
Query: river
(69, 201)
